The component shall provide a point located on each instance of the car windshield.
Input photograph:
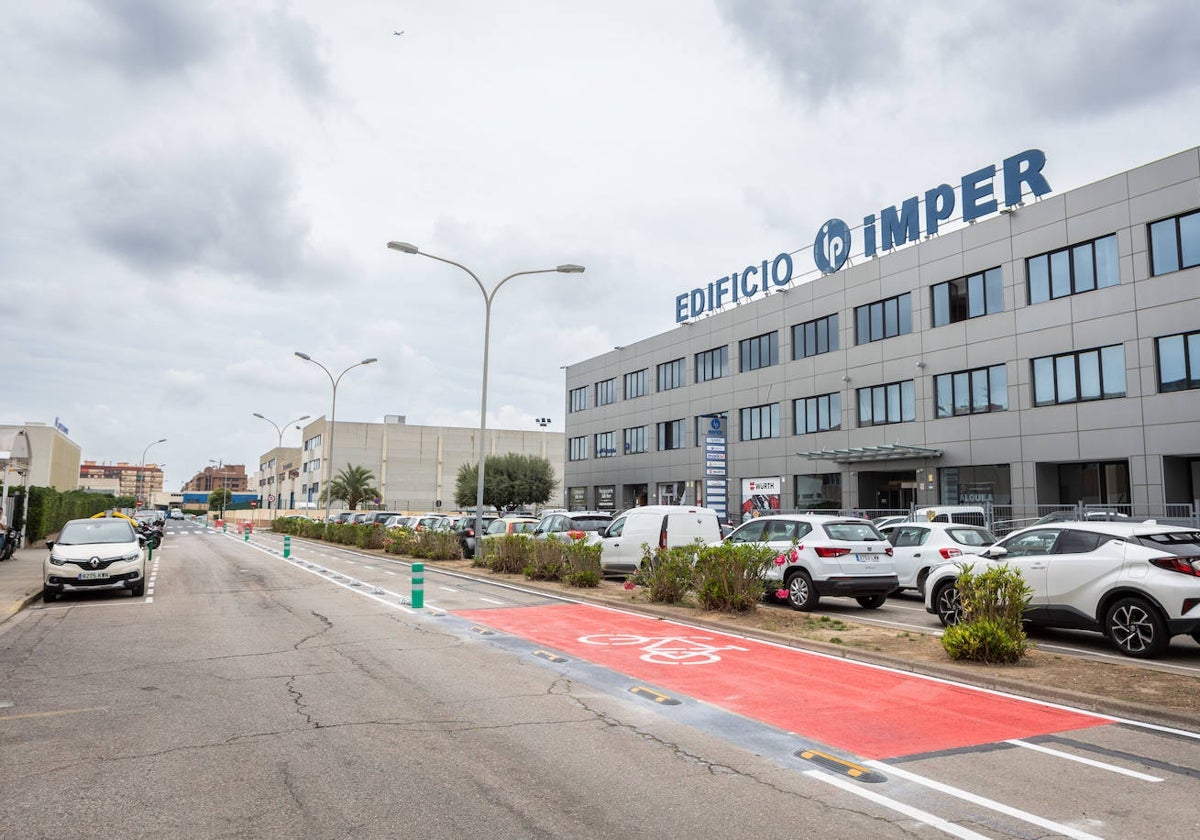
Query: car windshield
(852, 531)
(96, 531)
(523, 527)
(498, 526)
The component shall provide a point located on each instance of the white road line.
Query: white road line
(929, 819)
(386, 572)
(447, 588)
(1088, 761)
(491, 600)
(1033, 819)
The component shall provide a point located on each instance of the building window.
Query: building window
(975, 391)
(606, 444)
(760, 422)
(636, 440)
(712, 364)
(758, 352)
(577, 449)
(671, 375)
(1070, 271)
(606, 392)
(1178, 362)
(891, 403)
(815, 337)
(670, 435)
(635, 384)
(1075, 377)
(817, 414)
(1175, 243)
(578, 399)
(883, 319)
(968, 297)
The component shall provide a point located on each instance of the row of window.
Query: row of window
(1063, 378)
(1084, 267)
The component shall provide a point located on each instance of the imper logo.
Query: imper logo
(832, 246)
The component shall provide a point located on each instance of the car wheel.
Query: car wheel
(871, 602)
(49, 594)
(1196, 636)
(1136, 628)
(138, 589)
(801, 594)
(948, 604)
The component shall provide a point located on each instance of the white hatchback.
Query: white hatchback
(103, 553)
(1137, 583)
(824, 555)
(919, 546)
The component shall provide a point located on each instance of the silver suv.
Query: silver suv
(1137, 583)
(824, 555)
(102, 553)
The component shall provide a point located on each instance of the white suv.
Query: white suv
(919, 546)
(824, 555)
(1137, 583)
(103, 553)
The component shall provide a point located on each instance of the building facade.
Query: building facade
(142, 481)
(415, 467)
(1045, 354)
(53, 457)
(232, 477)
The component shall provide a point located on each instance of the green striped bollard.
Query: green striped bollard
(246, 533)
(287, 546)
(224, 527)
(418, 585)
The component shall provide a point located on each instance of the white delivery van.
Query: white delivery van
(661, 526)
(958, 514)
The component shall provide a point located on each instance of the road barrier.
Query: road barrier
(287, 546)
(418, 585)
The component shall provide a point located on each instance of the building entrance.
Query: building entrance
(895, 490)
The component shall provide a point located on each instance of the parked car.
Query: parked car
(919, 546)
(1137, 583)
(432, 522)
(662, 526)
(94, 554)
(820, 555)
(581, 524)
(466, 533)
(378, 517)
(1074, 515)
(962, 514)
(400, 520)
(511, 525)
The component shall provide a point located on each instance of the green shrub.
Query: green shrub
(508, 554)
(667, 574)
(987, 640)
(369, 536)
(732, 578)
(547, 560)
(439, 545)
(993, 603)
(583, 565)
(400, 541)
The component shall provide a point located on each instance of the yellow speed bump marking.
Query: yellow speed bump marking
(553, 657)
(657, 697)
(840, 765)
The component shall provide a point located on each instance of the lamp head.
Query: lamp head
(403, 247)
(256, 414)
(570, 268)
(369, 361)
(304, 356)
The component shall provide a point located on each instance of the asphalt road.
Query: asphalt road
(253, 696)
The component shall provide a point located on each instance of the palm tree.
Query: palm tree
(352, 484)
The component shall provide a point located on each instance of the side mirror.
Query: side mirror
(996, 551)
(602, 531)
(49, 543)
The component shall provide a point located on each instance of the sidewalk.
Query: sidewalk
(21, 580)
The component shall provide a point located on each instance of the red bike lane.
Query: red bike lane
(870, 711)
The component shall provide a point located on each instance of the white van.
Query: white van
(661, 526)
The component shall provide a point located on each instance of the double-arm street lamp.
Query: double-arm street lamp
(568, 268)
(327, 472)
(220, 462)
(275, 489)
(142, 468)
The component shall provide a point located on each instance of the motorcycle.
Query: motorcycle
(151, 534)
(11, 537)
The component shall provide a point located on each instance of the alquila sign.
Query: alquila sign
(894, 226)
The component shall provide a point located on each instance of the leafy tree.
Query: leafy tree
(352, 484)
(219, 499)
(509, 481)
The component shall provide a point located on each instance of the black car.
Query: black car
(466, 532)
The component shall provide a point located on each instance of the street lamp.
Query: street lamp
(221, 469)
(142, 466)
(275, 481)
(568, 268)
(327, 472)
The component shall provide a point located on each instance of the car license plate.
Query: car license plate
(867, 558)
(93, 575)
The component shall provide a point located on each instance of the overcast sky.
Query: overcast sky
(193, 191)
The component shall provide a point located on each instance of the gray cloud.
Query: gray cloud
(144, 39)
(230, 210)
(294, 47)
(820, 49)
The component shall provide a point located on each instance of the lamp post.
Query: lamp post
(327, 472)
(543, 422)
(275, 488)
(568, 268)
(142, 466)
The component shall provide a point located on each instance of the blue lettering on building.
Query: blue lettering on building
(892, 227)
